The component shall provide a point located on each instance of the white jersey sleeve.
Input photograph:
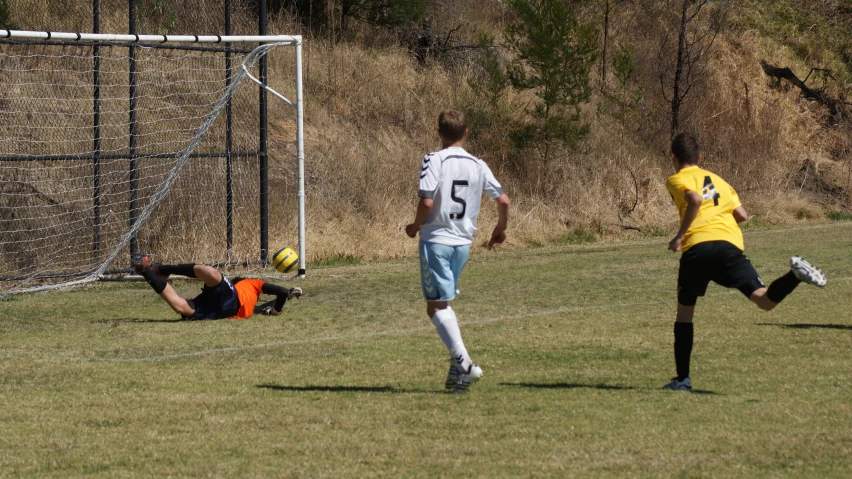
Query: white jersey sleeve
(491, 187)
(430, 174)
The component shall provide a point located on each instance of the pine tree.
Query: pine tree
(554, 54)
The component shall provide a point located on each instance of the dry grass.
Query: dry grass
(373, 117)
(371, 109)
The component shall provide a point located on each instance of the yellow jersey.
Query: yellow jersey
(715, 220)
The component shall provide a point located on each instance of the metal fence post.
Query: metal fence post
(264, 150)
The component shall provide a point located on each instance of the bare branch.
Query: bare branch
(632, 208)
(818, 95)
(635, 190)
(449, 34)
(824, 71)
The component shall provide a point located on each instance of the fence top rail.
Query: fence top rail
(108, 37)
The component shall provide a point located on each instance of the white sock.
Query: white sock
(447, 324)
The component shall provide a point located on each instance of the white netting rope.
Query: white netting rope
(22, 219)
(163, 188)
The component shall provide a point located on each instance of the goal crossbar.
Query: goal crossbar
(125, 38)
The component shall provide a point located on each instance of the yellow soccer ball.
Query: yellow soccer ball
(285, 260)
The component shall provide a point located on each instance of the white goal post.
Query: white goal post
(71, 209)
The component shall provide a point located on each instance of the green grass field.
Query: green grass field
(575, 342)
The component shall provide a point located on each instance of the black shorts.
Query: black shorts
(717, 261)
(218, 302)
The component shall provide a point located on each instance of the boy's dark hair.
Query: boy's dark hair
(452, 125)
(685, 149)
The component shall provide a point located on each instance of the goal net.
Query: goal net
(116, 144)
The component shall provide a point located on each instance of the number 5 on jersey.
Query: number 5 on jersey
(461, 201)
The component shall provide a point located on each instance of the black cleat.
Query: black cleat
(139, 262)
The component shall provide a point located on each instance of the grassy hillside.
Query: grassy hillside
(372, 111)
(373, 97)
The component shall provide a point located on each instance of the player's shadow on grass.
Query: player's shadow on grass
(844, 327)
(605, 387)
(335, 389)
(137, 320)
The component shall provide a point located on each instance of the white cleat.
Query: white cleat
(806, 272)
(466, 379)
(685, 385)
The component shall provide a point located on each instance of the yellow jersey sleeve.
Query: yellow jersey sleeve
(715, 220)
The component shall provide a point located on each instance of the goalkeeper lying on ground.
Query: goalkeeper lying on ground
(219, 297)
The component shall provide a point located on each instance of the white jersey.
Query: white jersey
(454, 180)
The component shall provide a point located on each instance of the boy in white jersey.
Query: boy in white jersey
(451, 186)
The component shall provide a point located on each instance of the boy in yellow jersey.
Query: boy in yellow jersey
(712, 244)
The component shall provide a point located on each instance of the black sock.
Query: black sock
(280, 301)
(157, 283)
(781, 287)
(181, 269)
(683, 333)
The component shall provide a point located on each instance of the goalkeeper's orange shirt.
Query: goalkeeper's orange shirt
(248, 290)
(715, 220)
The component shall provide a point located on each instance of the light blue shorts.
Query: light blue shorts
(440, 268)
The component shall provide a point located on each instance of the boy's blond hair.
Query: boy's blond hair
(452, 125)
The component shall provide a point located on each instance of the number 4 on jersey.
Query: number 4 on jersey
(709, 191)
